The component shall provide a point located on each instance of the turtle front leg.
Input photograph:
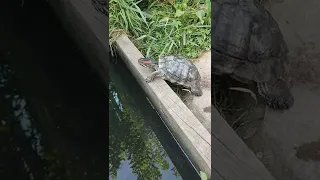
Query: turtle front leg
(196, 89)
(277, 94)
(153, 76)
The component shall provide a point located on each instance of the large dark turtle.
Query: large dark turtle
(176, 69)
(248, 44)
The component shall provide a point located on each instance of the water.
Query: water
(55, 113)
(141, 131)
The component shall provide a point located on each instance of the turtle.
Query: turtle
(175, 69)
(248, 45)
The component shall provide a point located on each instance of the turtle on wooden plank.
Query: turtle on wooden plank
(176, 69)
(248, 45)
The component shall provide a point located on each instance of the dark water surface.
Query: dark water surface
(55, 114)
(144, 138)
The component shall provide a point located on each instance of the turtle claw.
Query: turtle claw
(277, 95)
(148, 79)
(187, 90)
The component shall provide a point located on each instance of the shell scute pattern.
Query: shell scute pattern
(248, 43)
(178, 70)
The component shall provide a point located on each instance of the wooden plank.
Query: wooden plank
(187, 129)
(232, 158)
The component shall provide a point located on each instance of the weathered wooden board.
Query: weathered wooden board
(188, 130)
(231, 157)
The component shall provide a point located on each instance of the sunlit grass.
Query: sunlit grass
(162, 27)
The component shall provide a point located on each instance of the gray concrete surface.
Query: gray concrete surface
(201, 106)
(289, 142)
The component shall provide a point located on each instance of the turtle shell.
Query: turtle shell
(247, 41)
(178, 70)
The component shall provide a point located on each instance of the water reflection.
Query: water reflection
(141, 143)
(21, 142)
(133, 144)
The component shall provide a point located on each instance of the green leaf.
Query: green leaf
(141, 37)
(165, 19)
(179, 13)
(203, 175)
(200, 14)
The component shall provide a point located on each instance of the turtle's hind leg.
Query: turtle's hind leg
(196, 89)
(153, 76)
(277, 94)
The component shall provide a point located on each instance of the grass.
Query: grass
(162, 27)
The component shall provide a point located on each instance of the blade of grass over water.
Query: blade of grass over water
(159, 27)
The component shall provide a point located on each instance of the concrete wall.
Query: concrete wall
(299, 21)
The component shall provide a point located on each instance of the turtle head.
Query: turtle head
(149, 63)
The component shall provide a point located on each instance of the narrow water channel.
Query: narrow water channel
(145, 140)
(55, 114)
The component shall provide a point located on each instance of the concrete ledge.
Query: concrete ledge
(187, 129)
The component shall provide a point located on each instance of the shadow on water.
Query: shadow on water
(54, 111)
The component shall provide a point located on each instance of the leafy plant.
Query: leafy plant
(158, 28)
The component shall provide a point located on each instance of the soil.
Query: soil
(287, 142)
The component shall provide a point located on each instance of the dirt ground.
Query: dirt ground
(201, 106)
(288, 142)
